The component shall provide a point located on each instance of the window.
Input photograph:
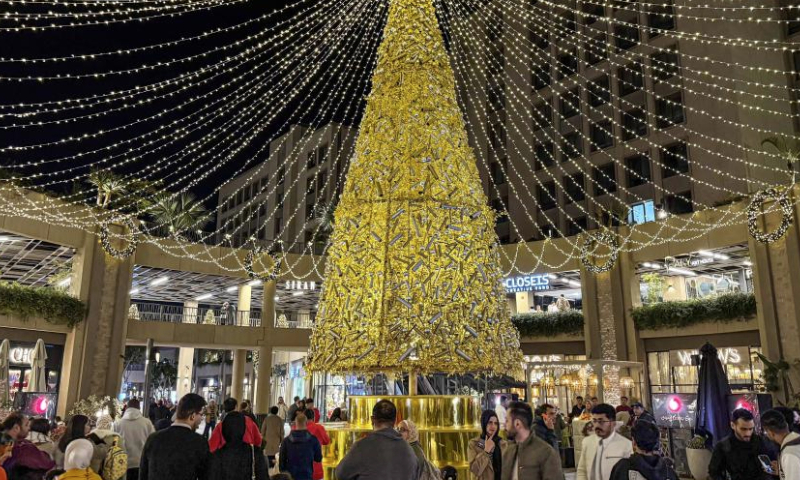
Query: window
(546, 193)
(281, 175)
(278, 227)
(665, 65)
(642, 212)
(627, 36)
(567, 63)
(669, 110)
(239, 197)
(544, 155)
(573, 187)
(637, 170)
(310, 183)
(500, 205)
(570, 103)
(572, 146)
(322, 154)
(322, 177)
(660, 17)
(794, 21)
(541, 75)
(497, 137)
(593, 12)
(634, 124)
(630, 79)
(576, 226)
(605, 178)
(231, 202)
(599, 91)
(247, 192)
(796, 58)
(311, 160)
(675, 160)
(595, 51)
(309, 211)
(498, 173)
(550, 230)
(497, 96)
(262, 211)
(679, 203)
(566, 24)
(602, 135)
(542, 116)
(538, 40)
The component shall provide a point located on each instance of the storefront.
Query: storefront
(676, 371)
(545, 292)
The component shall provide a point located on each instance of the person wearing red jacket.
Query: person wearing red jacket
(319, 432)
(310, 406)
(252, 434)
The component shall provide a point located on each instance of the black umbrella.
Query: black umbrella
(713, 418)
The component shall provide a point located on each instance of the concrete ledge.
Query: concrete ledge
(33, 323)
(711, 328)
(214, 336)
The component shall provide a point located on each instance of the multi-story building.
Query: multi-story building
(279, 198)
(583, 105)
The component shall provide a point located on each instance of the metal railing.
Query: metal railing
(289, 319)
(159, 312)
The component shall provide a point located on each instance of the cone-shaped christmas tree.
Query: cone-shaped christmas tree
(412, 281)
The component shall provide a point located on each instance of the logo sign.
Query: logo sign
(526, 283)
(728, 356)
(20, 355)
(675, 410)
(298, 285)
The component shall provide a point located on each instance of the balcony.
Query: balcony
(215, 315)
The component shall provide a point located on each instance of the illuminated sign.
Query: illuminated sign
(526, 283)
(676, 410)
(20, 355)
(728, 356)
(298, 285)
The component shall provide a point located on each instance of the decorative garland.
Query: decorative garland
(730, 307)
(272, 275)
(755, 209)
(606, 238)
(54, 306)
(549, 324)
(105, 241)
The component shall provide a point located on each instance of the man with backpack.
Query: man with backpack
(777, 429)
(645, 463)
(134, 428)
(110, 460)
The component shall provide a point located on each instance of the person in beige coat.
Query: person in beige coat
(485, 452)
(272, 431)
(526, 457)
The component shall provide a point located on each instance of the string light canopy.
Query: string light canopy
(575, 111)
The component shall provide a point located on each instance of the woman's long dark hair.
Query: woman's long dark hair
(485, 417)
(76, 428)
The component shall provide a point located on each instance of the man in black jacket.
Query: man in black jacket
(645, 463)
(737, 455)
(544, 426)
(179, 452)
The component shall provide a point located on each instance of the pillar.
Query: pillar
(243, 305)
(262, 392)
(776, 279)
(94, 350)
(237, 375)
(190, 311)
(185, 371)
(523, 302)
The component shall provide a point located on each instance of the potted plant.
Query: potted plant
(698, 457)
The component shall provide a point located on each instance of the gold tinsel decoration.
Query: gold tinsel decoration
(413, 282)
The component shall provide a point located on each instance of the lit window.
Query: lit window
(642, 212)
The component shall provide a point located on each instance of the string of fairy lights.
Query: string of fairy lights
(217, 104)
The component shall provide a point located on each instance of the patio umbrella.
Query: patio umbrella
(5, 351)
(713, 417)
(37, 382)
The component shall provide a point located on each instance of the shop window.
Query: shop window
(541, 75)
(638, 170)
(572, 146)
(567, 63)
(679, 203)
(599, 91)
(576, 226)
(634, 123)
(675, 160)
(630, 79)
(642, 212)
(542, 116)
(605, 178)
(665, 64)
(660, 17)
(546, 193)
(544, 155)
(570, 103)
(669, 110)
(627, 36)
(538, 40)
(602, 135)
(573, 187)
(592, 12)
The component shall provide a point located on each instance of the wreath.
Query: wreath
(273, 273)
(105, 238)
(755, 209)
(606, 238)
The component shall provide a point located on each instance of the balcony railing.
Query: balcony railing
(158, 312)
(287, 319)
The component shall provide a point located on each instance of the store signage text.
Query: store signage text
(526, 283)
(692, 262)
(20, 355)
(728, 355)
(298, 285)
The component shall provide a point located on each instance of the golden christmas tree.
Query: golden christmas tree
(413, 281)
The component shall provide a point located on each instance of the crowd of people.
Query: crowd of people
(516, 442)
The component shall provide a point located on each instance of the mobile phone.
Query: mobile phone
(766, 464)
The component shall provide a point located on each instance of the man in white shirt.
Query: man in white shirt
(774, 425)
(601, 452)
(500, 410)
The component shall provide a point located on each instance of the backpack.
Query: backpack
(115, 465)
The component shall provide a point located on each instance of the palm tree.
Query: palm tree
(179, 214)
(787, 149)
(108, 184)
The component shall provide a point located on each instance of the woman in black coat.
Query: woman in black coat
(236, 460)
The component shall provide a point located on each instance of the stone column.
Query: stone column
(237, 375)
(243, 305)
(523, 302)
(94, 350)
(185, 371)
(264, 373)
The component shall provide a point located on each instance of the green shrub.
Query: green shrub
(549, 324)
(730, 307)
(52, 305)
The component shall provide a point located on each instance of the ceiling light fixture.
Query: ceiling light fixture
(159, 281)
